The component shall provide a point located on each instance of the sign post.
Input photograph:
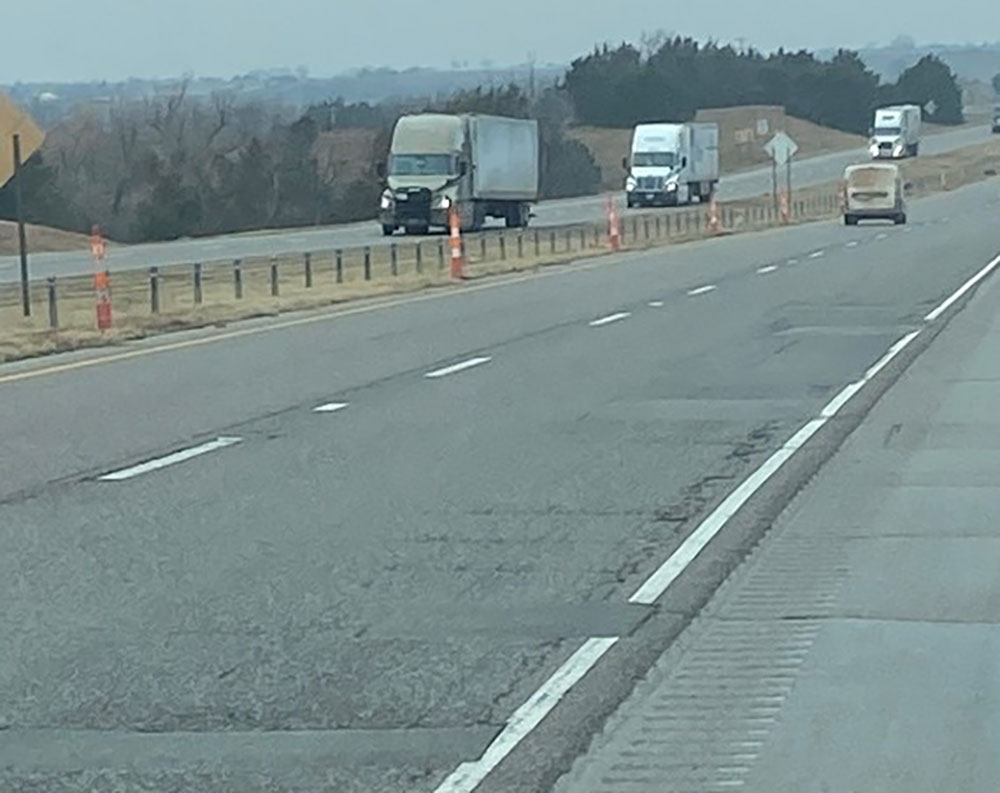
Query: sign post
(18, 131)
(782, 149)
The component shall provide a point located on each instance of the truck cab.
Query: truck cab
(896, 132)
(424, 173)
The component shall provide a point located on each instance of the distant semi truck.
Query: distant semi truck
(896, 132)
(996, 119)
(482, 166)
(672, 164)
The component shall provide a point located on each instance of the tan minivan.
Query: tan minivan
(873, 191)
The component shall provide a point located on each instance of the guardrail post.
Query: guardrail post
(368, 263)
(583, 238)
(569, 240)
(53, 310)
(503, 246)
(338, 256)
(154, 290)
(275, 289)
(482, 248)
(538, 244)
(597, 236)
(308, 262)
(419, 254)
(394, 258)
(552, 242)
(238, 278)
(520, 245)
(440, 254)
(197, 283)
(658, 234)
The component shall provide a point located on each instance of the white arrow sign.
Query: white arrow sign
(930, 108)
(781, 148)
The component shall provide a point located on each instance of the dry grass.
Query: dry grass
(487, 254)
(41, 239)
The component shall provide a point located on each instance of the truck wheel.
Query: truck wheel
(630, 202)
(388, 231)
(514, 218)
(478, 218)
(418, 228)
(916, 149)
(850, 220)
(900, 219)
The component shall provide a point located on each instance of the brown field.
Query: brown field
(40, 239)
(741, 140)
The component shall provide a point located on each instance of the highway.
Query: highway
(806, 172)
(338, 551)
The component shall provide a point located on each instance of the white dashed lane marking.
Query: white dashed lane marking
(170, 459)
(702, 290)
(765, 270)
(458, 367)
(610, 318)
(330, 407)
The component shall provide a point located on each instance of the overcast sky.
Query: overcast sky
(114, 39)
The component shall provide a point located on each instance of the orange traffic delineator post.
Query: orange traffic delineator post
(102, 281)
(714, 224)
(613, 234)
(785, 215)
(457, 264)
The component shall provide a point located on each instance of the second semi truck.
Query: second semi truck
(482, 166)
(672, 164)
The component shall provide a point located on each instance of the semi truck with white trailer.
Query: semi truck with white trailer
(672, 164)
(896, 132)
(481, 166)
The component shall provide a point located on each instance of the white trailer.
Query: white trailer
(896, 132)
(672, 164)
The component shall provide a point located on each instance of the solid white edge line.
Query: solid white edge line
(834, 405)
(458, 367)
(330, 407)
(609, 319)
(894, 350)
(170, 459)
(664, 576)
(702, 290)
(468, 776)
(937, 312)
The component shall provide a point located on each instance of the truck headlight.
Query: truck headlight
(897, 150)
(873, 150)
(387, 200)
(671, 187)
(444, 202)
(629, 184)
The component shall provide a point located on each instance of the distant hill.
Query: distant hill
(51, 102)
(969, 62)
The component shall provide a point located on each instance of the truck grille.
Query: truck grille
(413, 202)
(649, 183)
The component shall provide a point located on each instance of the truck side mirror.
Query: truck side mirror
(625, 163)
(380, 170)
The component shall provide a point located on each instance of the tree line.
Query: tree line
(674, 78)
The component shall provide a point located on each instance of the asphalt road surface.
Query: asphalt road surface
(336, 552)
(807, 172)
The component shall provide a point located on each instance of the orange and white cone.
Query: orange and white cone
(714, 224)
(613, 235)
(457, 264)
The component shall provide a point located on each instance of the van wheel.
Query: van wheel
(388, 231)
(850, 220)
(900, 219)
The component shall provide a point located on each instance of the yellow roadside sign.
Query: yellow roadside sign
(14, 121)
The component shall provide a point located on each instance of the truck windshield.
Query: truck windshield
(887, 131)
(421, 165)
(655, 159)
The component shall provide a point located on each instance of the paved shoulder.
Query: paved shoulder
(856, 649)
